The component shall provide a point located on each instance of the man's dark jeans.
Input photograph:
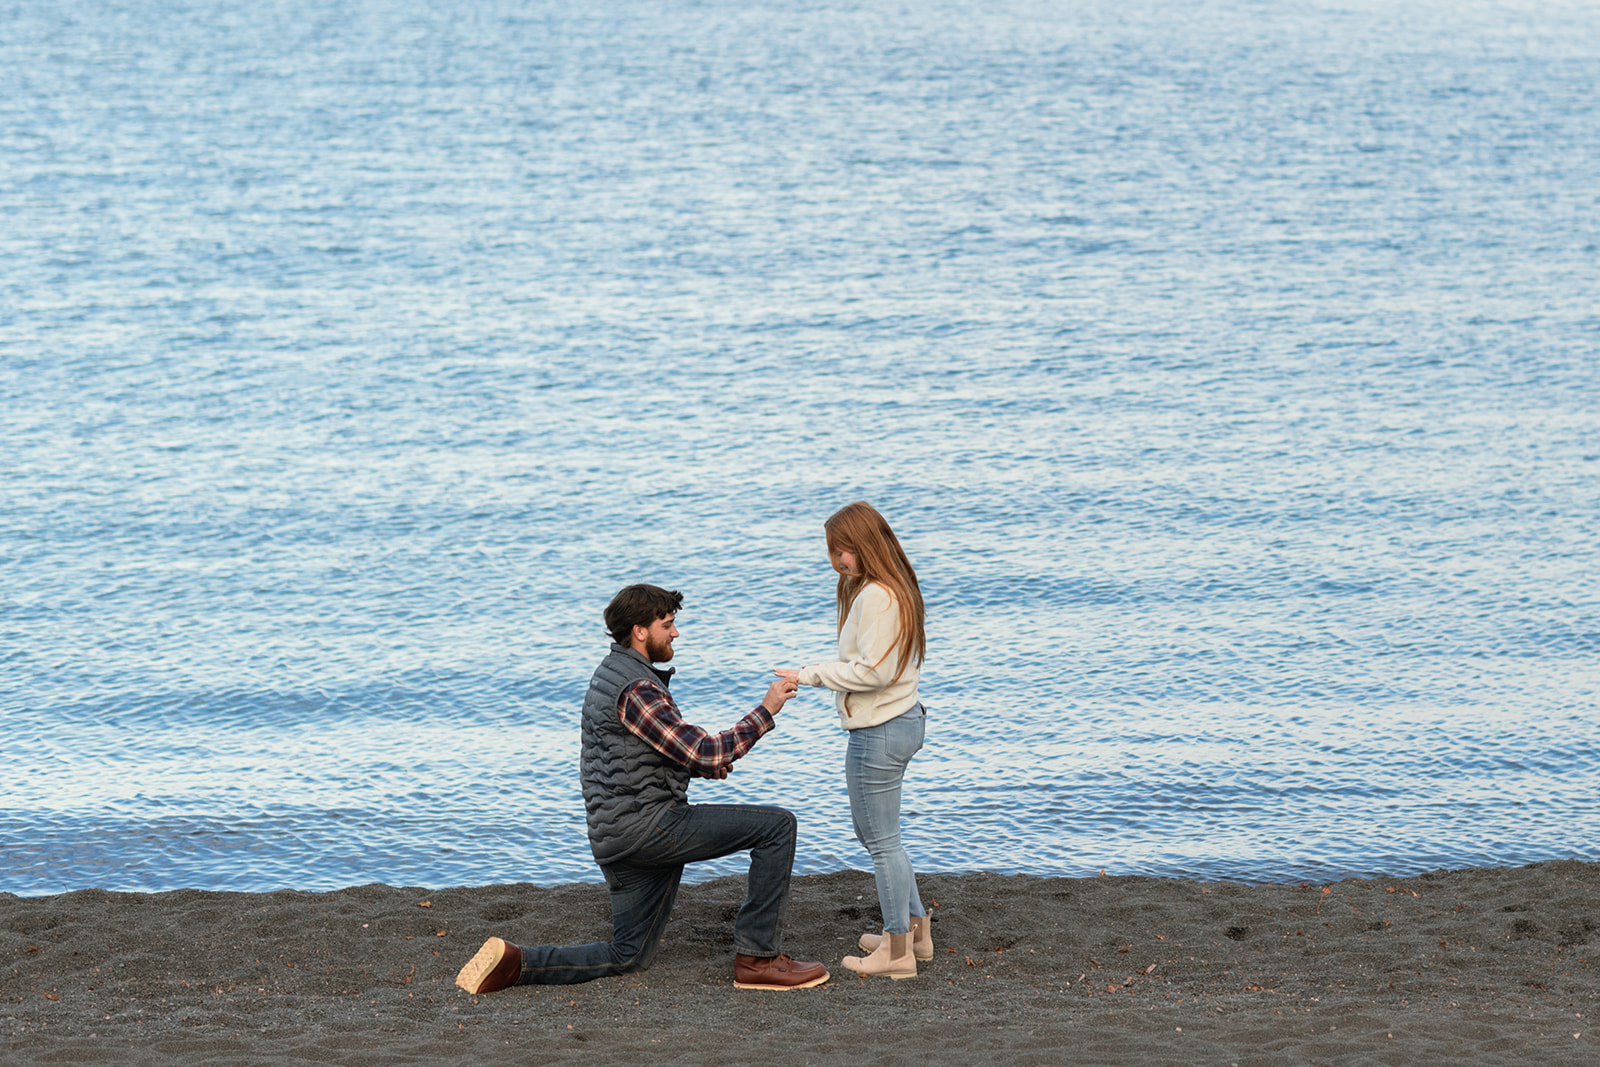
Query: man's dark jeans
(644, 886)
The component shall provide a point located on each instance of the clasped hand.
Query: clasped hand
(779, 692)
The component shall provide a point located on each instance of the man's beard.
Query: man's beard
(658, 652)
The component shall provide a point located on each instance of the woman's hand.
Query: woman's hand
(787, 672)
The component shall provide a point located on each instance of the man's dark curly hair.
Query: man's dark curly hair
(639, 605)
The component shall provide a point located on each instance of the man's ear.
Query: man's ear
(641, 634)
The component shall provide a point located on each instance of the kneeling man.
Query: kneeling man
(637, 758)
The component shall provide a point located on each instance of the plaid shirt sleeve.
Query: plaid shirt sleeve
(649, 714)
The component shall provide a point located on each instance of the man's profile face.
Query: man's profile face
(657, 639)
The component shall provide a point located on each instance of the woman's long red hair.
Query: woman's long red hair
(859, 529)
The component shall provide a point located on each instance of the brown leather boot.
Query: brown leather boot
(892, 958)
(921, 939)
(497, 966)
(778, 972)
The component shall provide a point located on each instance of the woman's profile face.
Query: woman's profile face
(843, 560)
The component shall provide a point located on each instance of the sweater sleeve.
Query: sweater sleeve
(866, 646)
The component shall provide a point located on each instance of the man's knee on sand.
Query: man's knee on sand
(635, 954)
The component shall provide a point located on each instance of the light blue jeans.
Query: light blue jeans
(874, 763)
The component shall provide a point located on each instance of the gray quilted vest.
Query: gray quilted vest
(627, 785)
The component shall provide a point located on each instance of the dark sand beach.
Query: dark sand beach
(1476, 966)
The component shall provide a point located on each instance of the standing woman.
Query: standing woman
(881, 648)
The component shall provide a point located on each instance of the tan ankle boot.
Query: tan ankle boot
(921, 939)
(892, 958)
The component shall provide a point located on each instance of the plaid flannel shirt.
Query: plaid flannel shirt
(650, 715)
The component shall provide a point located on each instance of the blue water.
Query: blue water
(1231, 371)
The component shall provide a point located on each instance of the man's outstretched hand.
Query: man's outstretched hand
(778, 694)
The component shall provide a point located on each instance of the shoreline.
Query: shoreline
(1481, 965)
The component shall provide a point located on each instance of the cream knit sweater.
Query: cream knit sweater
(867, 661)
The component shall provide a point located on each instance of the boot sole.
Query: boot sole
(783, 988)
(480, 968)
(881, 974)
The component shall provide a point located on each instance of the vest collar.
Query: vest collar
(664, 675)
